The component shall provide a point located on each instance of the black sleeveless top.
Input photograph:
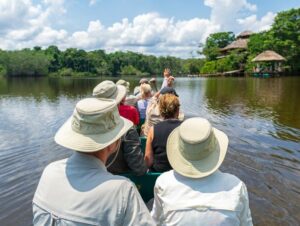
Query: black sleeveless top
(162, 131)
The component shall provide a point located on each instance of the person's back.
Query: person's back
(79, 191)
(195, 192)
(220, 199)
(142, 106)
(130, 157)
(161, 132)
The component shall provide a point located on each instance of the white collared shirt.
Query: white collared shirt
(219, 199)
(79, 191)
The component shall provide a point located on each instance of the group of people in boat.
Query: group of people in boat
(104, 133)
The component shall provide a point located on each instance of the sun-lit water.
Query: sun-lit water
(260, 116)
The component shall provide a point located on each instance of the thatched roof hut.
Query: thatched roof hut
(237, 44)
(245, 34)
(268, 56)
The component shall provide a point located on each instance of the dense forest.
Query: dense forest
(283, 37)
(77, 62)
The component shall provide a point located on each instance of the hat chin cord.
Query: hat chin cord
(116, 155)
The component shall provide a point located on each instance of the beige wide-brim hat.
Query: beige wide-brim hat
(122, 82)
(94, 125)
(195, 149)
(109, 90)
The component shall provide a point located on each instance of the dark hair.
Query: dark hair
(168, 106)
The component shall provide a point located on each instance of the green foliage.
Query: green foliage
(25, 63)
(65, 72)
(214, 42)
(192, 66)
(229, 63)
(130, 70)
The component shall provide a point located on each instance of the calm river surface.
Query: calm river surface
(260, 116)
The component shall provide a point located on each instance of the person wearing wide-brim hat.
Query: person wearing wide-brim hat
(79, 190)
(130, 157)
(110, 90)
(195, 192)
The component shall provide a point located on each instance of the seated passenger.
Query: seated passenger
(78, 190)
(152, 112)
(143, 102)
(155, 154)
(130, 99)
(195, 192)
(130, 156)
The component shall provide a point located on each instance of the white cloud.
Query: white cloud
(24, 24)
(92, 2)
(225, 12)
(251, 22)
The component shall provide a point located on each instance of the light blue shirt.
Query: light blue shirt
(142, 106)
(79, 191)
(215, 200)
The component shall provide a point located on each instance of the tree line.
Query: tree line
(283, 38)
(77, 62)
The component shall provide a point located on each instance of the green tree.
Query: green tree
(214, 42)
(286, 36)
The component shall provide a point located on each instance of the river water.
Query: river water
(260, 116)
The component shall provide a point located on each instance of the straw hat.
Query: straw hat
(195, 149)
(94, 125)
(124, 83)
(109, 90)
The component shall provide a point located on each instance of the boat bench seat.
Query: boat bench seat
(144, 184)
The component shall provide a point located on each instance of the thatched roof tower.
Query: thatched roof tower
(245, 34)
(237, 44)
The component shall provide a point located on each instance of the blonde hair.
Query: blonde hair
(168, 106)
(145, 90)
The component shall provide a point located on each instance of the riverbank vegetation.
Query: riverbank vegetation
(283, 37)
(80, 63)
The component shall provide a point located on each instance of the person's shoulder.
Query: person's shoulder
(229, 180)
(56, 164)
(121, 182)
(165, 177)
(54, 167)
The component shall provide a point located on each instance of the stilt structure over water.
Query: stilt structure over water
(274, 68)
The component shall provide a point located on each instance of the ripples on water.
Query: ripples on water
(260, 116)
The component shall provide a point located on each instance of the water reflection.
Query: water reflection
(260, 116)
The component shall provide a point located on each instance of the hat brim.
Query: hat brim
(196, 168)
(121, 93)
(68, 138)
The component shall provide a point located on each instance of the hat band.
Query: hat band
(110, 93)
(95, 124)
(197, 151)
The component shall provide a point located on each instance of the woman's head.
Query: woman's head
(169, 106)
(145, 90)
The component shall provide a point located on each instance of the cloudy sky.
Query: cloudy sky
(159, 27)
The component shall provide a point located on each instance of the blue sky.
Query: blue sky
(158, 27)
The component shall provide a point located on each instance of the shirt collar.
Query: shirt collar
(86, 160)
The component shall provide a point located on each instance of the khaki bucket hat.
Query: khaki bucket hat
(94, 125)
(195, 149)
(124, 83)
(109, 90)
